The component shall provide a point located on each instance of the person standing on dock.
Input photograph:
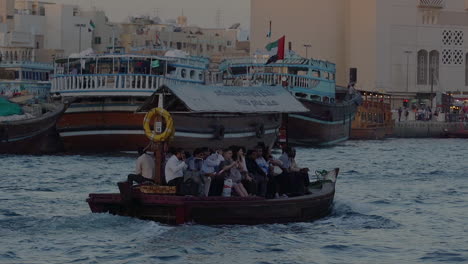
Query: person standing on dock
(400, 110)
(174, 170)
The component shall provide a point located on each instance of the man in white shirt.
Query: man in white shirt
(145, 168)
(174, 170)
(145, 165)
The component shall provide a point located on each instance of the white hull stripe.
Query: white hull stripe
(347, 120)
(178, 134)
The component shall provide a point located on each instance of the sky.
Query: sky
(199, 12)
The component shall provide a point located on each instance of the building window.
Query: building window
(422, 67)
(466, 69)
(434, 66)
(97, 40)
(229, 43)
(37, 44)
(179, 45)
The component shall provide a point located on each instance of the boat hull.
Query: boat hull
(217, 210)
(123, 131)
(323, 125)
(377, 133)
(33, 136)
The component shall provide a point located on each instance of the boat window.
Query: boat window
(200, 76)
(183, 73)
(301, 95)
(192, 74)
(316, 98)
(332, 100)
(326, 99)
(316, 73)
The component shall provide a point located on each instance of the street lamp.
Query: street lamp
(307, 46)
(408, 52)
(79, 41)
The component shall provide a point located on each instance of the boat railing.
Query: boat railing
(110, 82)
(196, 62)
(291, 80)
(27, 64)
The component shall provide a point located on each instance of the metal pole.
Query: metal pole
(79, 41)
(432, 89)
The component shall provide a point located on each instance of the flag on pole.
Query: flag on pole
(155, 64)
(269, 31)
(92, 26)
(277, 46)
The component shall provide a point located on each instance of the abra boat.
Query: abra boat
(223, 116)
(461, 131)
(31, 130)
(373, 118)
(170, 209)
(312, 82)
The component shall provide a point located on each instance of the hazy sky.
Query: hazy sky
(199, 12)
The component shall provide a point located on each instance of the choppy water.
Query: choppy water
(397, 201)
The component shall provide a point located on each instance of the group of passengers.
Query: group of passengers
(253, 173)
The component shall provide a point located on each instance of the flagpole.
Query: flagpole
(269, 35)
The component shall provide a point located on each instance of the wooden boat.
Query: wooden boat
(460, 132)
(218, 210)
(35, 135)
(312, 82)
(373, 119)
(103, 114)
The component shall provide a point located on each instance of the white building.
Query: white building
(42, 30)
(398, 46)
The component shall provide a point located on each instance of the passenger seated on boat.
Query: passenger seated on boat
(195, 165)
(145, 168)
(294, 179)
(230, 169)
(274, 170)
(257, 173)
(238, 155)
(174, 170)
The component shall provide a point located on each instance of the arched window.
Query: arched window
(434, 66)
(466, 69)
(422, 67)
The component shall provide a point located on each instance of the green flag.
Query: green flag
(271, 45)
(155, 64)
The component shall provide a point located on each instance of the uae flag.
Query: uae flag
(91, 26)
(277, 46)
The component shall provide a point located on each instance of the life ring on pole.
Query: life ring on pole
(260, 130)
(219, 132)
(167, 134)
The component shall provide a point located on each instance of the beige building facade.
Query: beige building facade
(403, 47)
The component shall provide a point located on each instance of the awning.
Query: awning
(226, 99)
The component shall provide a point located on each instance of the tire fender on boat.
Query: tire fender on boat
(260, 131)
(219, 132)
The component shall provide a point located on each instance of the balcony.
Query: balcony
(435, 4)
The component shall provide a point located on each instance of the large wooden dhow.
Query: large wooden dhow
(310, 81)
(34, 133)
(104, 91)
